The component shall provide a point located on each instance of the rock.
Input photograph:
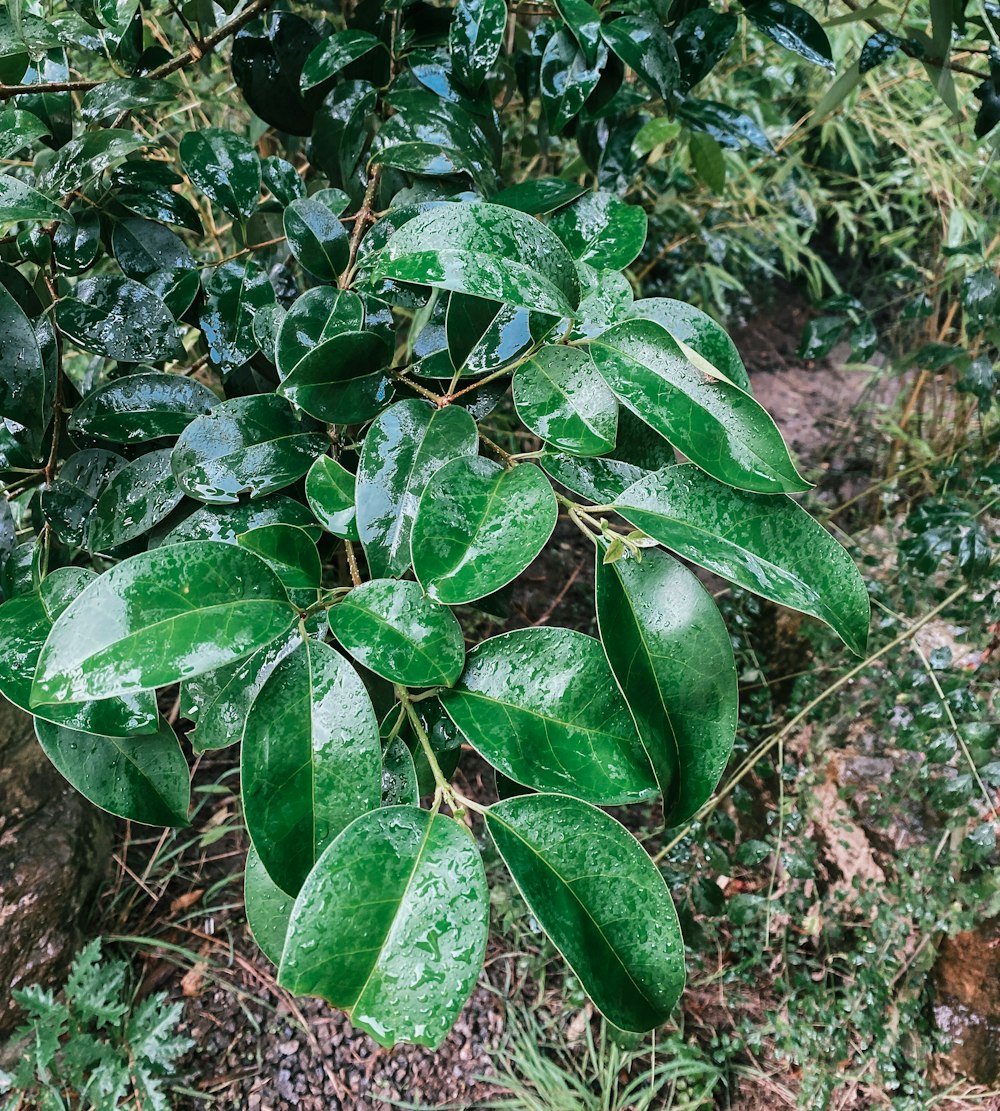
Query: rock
(54, 851)
(967, 1000)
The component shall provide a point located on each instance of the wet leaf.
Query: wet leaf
(159, 617)
(766, 544)
(793, 28)
(119, 318)
(600, 899)
(311, 760)
(317, 238)
(268, 908)
(143, 406)
(320, 383)
(290, 552)
(714, 423)
(20, 202)
(475, 38)
(234, 294)
(562, 399)
(642, 43)
(225, 168)
(542, 707)
(390, 627)
(143, 779)
(138, 497)
(403, 449)
(699, 331)
(673, 660)
(22, 370)
(330, 493)
(602, 230)
(478, 527)
(248, 444)
(391, 925)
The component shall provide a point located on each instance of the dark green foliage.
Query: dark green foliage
(291, 463)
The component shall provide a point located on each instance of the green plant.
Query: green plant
(94, 1047)
(202, 430)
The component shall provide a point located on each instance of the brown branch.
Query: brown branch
(193, 54)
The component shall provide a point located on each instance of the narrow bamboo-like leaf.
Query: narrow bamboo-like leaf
(715, 424)
(600, 899)
(143, 779)
(403, 449)
(672, 657)
(393, 629)
(158, 617)
(391, 925)
(224, 167)
(541, 706)
(25, 622)
(488, 251)
(478, 527)
(562, 399)
(268, 908)
(311, 760)
(143, 406)
(769, 545)
(251, 444)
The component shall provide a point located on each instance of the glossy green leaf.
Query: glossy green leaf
(138, 497)
(315, 317)
(699, 331)
(567, 78)
(317, 238)
(599, 480)
(25, 622)
(68, 504)
(143, 779)
(85, 158)
(290, 552)
(125, 94)
(317, 384)
(600, 899)
(392, 924)
(602, 230)
(119, 318)
(538, 196)
(483, 336)
(20, 202)
(584, 21)
(390, 627)
(399, 775)
(334, 53)
(141, 247)
(478, 527)
(224, 167)
(267, 60)
(330, 493)
(222, 698)
(268, 908)
(158, 617)
(281, 180)
(562, 399)
(485, 250)
(75, 245)
(715, 424)
(254, 444)
(234, 293)
(22, 369)
(793, 28)
(672, 657)
(311, 760)
(768, 545)
(17, 130)
(403, 449)
(226, 523)
(708, 160)
(702, 39)
(728, 127)
(642, 43)
(475, 37)
(542, 707)
(143, 406)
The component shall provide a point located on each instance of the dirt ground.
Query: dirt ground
(255, 1047)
